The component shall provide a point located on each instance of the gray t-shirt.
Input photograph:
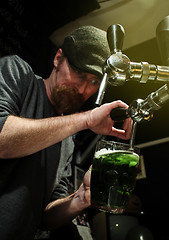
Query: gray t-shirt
(28, 184)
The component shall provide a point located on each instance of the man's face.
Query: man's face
(66, 100)
(72, 88)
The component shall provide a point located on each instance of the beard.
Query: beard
(66, 100)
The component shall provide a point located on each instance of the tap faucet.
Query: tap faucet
(118, 68)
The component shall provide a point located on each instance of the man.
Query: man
(36, 124)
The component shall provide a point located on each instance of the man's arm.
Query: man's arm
(21, 136)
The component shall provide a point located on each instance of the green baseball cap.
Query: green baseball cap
(87, 49)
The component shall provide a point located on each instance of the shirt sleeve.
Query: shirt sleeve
(61, 188)
(64, 172)
(13, 71)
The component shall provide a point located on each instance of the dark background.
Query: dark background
(25, 28)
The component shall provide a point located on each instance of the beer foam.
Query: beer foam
(102, 152)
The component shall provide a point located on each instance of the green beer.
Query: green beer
(113, 179)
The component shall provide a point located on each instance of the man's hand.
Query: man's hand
(61, 211)
(100, 122)
(84, 190)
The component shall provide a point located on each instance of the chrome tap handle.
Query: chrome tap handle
(162, 36)
(115, 37)
(119, 67)
(102, 90)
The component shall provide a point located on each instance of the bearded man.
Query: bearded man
(37, 119)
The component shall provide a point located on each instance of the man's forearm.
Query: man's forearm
(21, 136)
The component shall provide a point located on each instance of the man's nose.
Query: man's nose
(82, 88)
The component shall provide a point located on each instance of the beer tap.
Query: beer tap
(118, 68)
(115, 37)
(142, 110)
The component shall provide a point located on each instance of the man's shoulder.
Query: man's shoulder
(11, 58)
(12, 61)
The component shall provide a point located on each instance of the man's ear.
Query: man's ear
(58, 55)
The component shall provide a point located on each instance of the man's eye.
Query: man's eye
(95, 82)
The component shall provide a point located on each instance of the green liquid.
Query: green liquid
(113, 179)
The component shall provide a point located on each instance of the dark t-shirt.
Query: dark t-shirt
(27, 184)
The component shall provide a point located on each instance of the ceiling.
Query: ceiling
(138, 17)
